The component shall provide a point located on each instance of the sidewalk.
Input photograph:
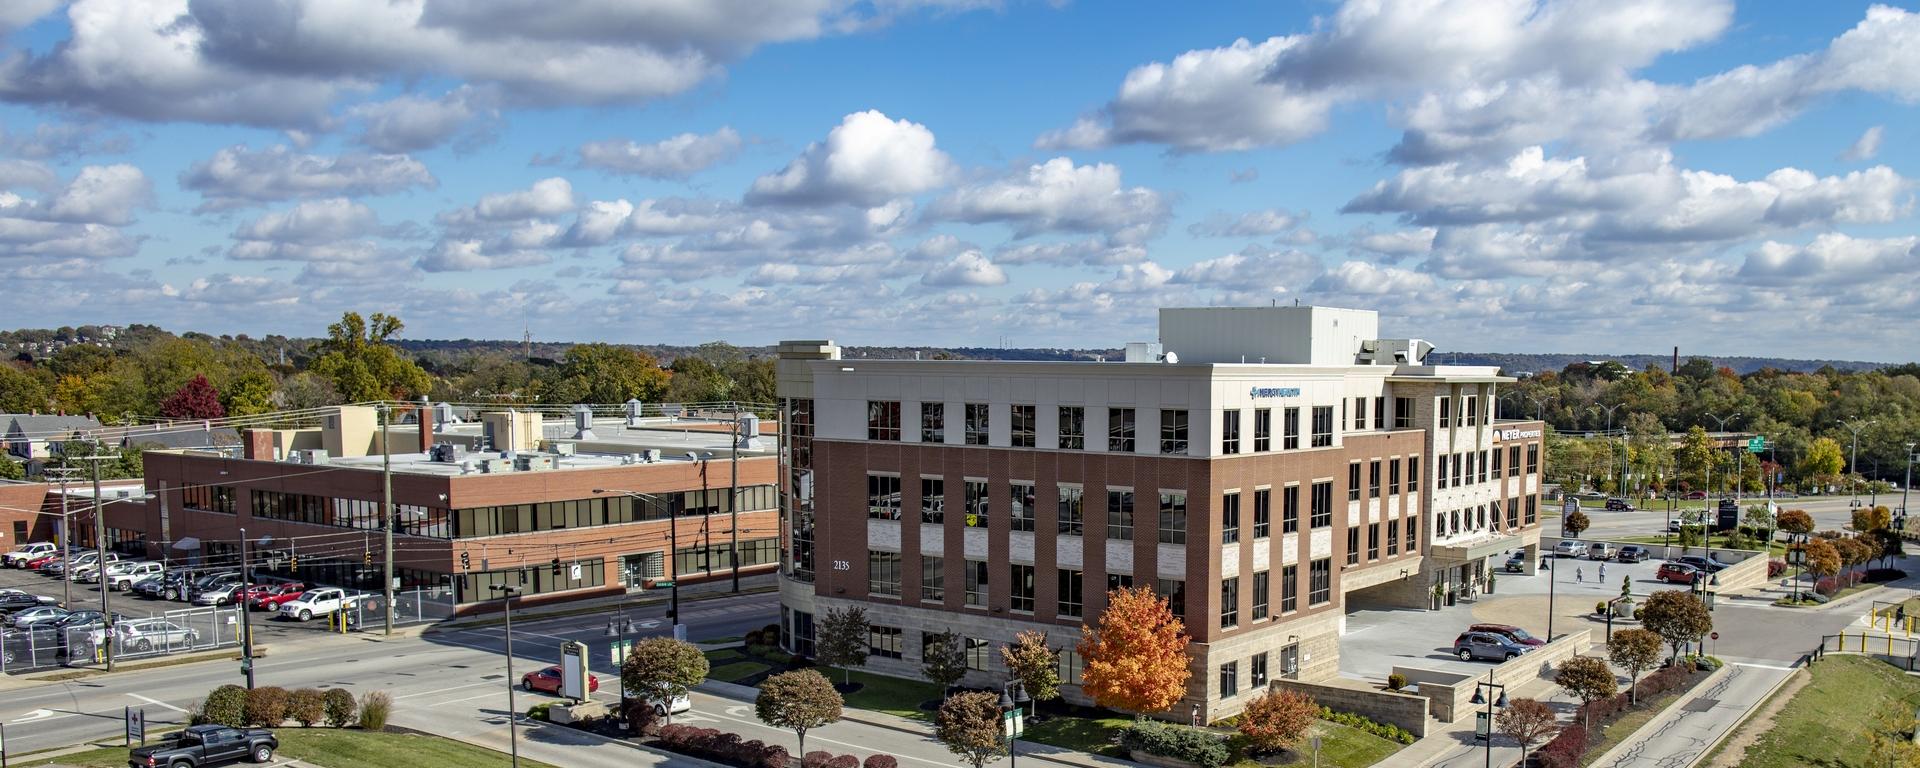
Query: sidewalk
(1685, 731)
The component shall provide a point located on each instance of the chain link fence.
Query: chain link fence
(24, 649)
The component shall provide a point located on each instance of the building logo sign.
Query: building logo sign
(1515, 434)
(1263, 392)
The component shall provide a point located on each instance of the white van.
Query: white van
(1600, 550)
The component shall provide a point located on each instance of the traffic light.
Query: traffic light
(466, 562)
(556, 566)
(294, 563)
(369, 557)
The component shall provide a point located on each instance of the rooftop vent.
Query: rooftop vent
(634, 409)
(583, 422)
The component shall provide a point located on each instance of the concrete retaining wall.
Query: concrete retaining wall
(1448, 693)
(1392, 707)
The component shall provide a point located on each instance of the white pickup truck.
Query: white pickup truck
(122, 575)
(20, 555)
(316, 602)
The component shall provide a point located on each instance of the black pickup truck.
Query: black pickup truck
(203, 745)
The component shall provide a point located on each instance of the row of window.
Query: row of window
(532, 579)
(884, 503)
(1257, 666)
(1486, 516)
(1319, 591)
(884, 568)
(1471, 467)
(603, 510)
(884, 424)
(719, 555)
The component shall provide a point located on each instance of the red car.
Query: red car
(41, 562)
(268, 597)
(1677, 573)
(1509, 632)
(548, 681)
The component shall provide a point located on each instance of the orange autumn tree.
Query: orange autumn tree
(1137, 660)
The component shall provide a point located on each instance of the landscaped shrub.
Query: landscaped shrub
(752, 638)
(1776, 567)
(375, 706)
(815, 759)
(642, 718)
(1360, 722)
(881, 761)
(773, 756)
(267, 706)
(307, 706)
(540, 711)
(227, 705)
(1193, 745)
(340, 707)
(844, 761)
(1565, 749)
(1396, 681)
(1600, 608)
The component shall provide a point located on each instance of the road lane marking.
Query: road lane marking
(34, 716)
(444, 690)
(157, 702)
(1763, 666)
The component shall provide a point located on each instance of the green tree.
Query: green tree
(1575, 523)
(1634, 650)
(969, 725)
(248, 393)
(1795, 521)
(944, 662)
(1869, 519)
(1677, 617)
(356, 359)
(1823, 462)
(797, 701)
(10, 469)
(1588, 679)
(841, 640)
(1696, 458)
(604, 373)
(663, 669)
(226, 705)
(1035, 665)
(21, 391)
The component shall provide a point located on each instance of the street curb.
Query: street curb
(1714, 745)
(1698, 691)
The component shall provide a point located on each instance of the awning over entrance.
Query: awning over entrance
(188, 543)
(1476, 550)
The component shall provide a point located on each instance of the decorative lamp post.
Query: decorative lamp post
(1484, 731)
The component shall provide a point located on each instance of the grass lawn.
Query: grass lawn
(1786, 602)
(1340, 747)
(1807, 732)
(332, 748)
(1086, 734)
(892, 695)
(736, 671)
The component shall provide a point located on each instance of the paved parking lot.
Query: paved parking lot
(87, 596)
(1377, 638)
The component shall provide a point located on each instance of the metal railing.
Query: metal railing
(1898, 651)
(413, 606)
(165, 634)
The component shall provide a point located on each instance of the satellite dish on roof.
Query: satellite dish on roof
(1171, 358)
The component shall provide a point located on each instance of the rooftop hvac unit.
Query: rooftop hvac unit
(310, 456)
(533, 462)
(565, 449)
(633, 409)
(749, 432)
(491, 466)
(446, 452)
(583, 422)
(650, 455)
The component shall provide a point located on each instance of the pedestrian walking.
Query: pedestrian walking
(1603, 573)
(1579, 575)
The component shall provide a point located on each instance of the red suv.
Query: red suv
(1677, 573)
(1509, 632)
(268, 597)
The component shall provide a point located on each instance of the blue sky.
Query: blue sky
(1501, 175)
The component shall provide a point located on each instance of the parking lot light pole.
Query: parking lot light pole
(1553, 580)
(507, 591)
(1853, 460)
(1480, 697)
(1909, 483)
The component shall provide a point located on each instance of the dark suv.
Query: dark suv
(1619, 505)
(1633, 553)
(207, 745)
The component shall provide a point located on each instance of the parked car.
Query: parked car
(202, 745)
(86, 564)
(142, 635)
(1675, 526)
(1600, 550)
(1486, 645)
(224, 594)
(547, 680)
(1516, 562)
(1619, 505)
(269, 597)
(1676, 573)
(90, 573)
(1703, 563)
(20, 601)
(190, 586)
(40, 562)
(28, 617)
(123, 576)
(153, 585)
(1509, 632)
(314, 602)
(681, 703)
(1633, 553)
(1569, 548)
(21, 555)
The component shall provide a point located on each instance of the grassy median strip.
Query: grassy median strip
(1831, 719)
(332, 748)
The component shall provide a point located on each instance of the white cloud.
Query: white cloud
(867, 159)
(1093, 251)
(1865, 147)
(102, 194)
(1359, 278)
(1261, 223)
(239, 176)
(1832, 258)
(1393, 245)
(313, 222)
(547, 197)
(966, 268)
(1058, 196)
(1253, 267)
(471, 255)
(677, 157)
(411, 124)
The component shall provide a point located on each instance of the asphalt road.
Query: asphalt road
(1829, 512)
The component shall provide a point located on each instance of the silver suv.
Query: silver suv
(141, 635)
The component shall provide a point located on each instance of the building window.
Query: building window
(1353, 481)
(1120, 430)
(1440, 477)
(1173, 432)
(1071, 599)
(1023, 588)
(1119, 581)
(1473, 411)
(1513, 513)
(933, 578)
(1359, 414)
(1262, 513)
(1120, 515)
(1456, 469)
(883, 573)
(1373, 541)
(1379, 413)
(1262, 430)
(883, 420)
(1260, 589)
(1373, 479)
(1173, 517)
(933, 422)
(1230, 518)
(1176, 594)
(1257, 672)
(1393, 477)
(1290, 661)
(1022, 508)
(978, 652)
(1393, 539)
(1073, 427)
(1483, 466)
(1413, 532)
(977, 582)
(933, 500)
(1229, 432)
(883, 641)
(1229, 602)
(1021, 424)
(883, 497)
(208, 498)
(1071, 666)
(1229, 679)
(1446, 411)
(1320, 581)
(1322, 508)
(1289, 588)
(1290, 509)
(976, 503)
(1533, 458)
(1290, 437)
(1496, 462)
(976, 425)
(1353, 545)
(1322, 426)
(1071, 510)
(1403, 413)
(1533, 509)
(1413, 474)
(1513, 461)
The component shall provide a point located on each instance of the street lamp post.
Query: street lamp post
(507, 591)
(1853, 458)
(1909, 483)
(673, 543)
(618, 628)
(1480, 698)
(1553, 580)
(733, 498)
(1011, 697)
(100, 558)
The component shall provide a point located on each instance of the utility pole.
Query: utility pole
(66, 533)
(733, 499)
(246, 615)
(1609, 409)
(1853, 462)
(386, 510)
(100, 543)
